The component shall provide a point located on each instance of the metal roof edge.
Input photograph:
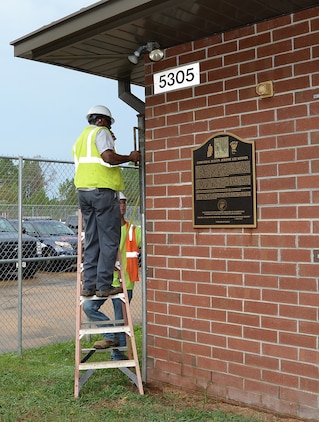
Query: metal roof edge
(102, 16)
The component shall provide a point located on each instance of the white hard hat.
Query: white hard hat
(102, 110)
(122, 196)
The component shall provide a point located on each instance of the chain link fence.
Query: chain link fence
(38, 251)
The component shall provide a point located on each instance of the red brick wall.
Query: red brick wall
(234, 312)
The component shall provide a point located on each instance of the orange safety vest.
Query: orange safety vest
(132, 253)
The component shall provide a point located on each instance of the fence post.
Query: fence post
(20, 256)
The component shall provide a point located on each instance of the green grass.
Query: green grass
(39, 386)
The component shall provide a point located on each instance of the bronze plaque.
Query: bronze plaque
(224, 182)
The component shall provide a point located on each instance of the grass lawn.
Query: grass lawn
(39, 387)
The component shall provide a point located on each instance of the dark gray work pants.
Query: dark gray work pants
(102, 222)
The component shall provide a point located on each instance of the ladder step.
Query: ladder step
(110, 364)
(101, 330)
(118, 296)
(89, 349)
(106, 323)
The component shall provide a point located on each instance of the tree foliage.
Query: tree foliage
(9, 173)
(33, 186)
(67, 192)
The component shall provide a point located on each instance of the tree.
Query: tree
(33, 190)
(8, 181)
(67, 192)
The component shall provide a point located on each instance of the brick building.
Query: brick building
(233, 311)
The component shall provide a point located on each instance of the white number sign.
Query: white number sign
(181, 77)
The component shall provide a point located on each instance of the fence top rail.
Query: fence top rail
(19, 157)
(48, 160)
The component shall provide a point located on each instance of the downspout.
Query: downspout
(124, 93)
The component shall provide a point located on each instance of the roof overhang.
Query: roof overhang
(98, 39)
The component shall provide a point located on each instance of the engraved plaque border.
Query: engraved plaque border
(224, 199)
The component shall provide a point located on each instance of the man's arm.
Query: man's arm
(113, 158)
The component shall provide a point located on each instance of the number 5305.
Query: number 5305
(180, 77)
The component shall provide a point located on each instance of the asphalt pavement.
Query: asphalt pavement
(48, 310)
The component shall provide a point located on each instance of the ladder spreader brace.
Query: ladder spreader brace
(84, 368)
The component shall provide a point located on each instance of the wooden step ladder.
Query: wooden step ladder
(84, 365)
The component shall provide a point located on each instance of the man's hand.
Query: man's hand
(111, 157)
(135, 156)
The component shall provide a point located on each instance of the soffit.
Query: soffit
(98, 38)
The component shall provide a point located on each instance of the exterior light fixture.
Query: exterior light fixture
(156, 55)
(152, 47)
(133, 58)
(265, 89)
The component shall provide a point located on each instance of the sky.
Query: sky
(43, 107)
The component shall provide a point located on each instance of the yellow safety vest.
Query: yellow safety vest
(90, 169)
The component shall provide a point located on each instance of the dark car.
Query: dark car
(9, 249)
(60, 241)
(72, 222)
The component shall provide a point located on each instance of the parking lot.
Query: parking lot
(48, 310)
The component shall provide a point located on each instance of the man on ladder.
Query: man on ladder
(98, 180)
(131, 238)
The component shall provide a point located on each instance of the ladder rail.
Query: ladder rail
(78, 309)
(132, 343)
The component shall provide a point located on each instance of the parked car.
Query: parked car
(60, 241)
(72, 222)
(9, 244)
